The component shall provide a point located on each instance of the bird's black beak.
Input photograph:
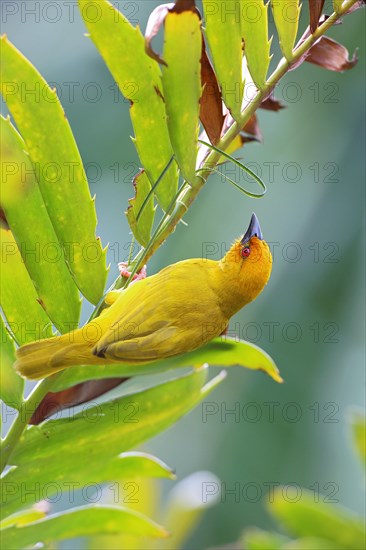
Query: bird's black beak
(254, 230)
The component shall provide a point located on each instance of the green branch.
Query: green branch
(24, 415)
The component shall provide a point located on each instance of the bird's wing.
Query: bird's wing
(167, 314)
(164, 342)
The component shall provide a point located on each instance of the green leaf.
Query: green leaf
(303, 517)
(286, 14)
(47, 476)
(146, 503)
(222, 352)
(141, 224)
(182, 85)
(101, 432)
(257, 539)
(22, 518)
(19, 300)
(78, 522)
(254, 17)
(11, 387)
(185, 507)
(117, 425)
(358, 423)
(52, 149)
(139, 79)
(224, 35)
(34, 233)
(310, 543)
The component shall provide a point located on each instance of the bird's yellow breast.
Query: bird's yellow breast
(187, 303)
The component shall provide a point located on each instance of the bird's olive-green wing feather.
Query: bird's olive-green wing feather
(169, 313)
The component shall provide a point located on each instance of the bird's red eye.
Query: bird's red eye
(245, 252)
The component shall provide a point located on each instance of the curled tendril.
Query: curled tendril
(241, 166)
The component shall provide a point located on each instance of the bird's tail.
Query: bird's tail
(46, 357)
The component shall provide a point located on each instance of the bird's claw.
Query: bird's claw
(142, 274)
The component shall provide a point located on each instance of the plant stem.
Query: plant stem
(24, 415)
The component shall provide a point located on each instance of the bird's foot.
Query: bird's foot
(142, 274)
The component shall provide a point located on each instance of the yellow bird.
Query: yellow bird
(175, 311)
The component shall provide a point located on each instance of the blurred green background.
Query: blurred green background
(310, 317)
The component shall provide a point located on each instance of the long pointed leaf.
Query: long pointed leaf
(83, 384)
(257, 539)
(182, 85)
(219, 352)
(22, 518)
(78, 522)
(34, 233)
(211, 105)
(256, 44)
(315, 10)
(141, 226)
(19, 300)
(286, 14)
(11, 387)
(139, 79)
(303, 517)
(52, 149)
(224, 35)
(118, 425)
(185, 507)
(49, 478)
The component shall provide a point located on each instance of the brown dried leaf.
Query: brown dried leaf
(3, 220)
(357, 5)
(246, 139)
(55, 402)
(306, 35)
(331, 55)
(315, 8)
(154, 23)
(251, 131)
(184, 5)
(272, 104)
(211, 114)
(157, 18)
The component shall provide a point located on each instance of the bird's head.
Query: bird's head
(250, 261)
